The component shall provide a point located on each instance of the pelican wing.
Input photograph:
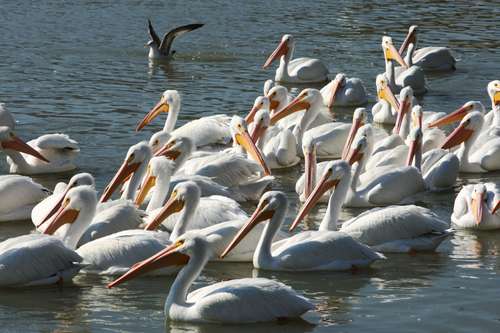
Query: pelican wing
(168, 39)
(152, 34)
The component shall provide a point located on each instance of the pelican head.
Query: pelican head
(405, 97)
(361, 147)
(185, 195)
(304, 101)
(159, 167)
(337, 84)
(278, 96)
(469, 125)
(411, 38)
(384, 92)
(177, 149)
(358, 120)
(284, 48)
(271, 203)
(334, 172)
(390, 52)
(262, 122)
(158, 140)
(170, 101)
(241, 138)
(136, 156)
(459, 114)
(261, 102)
(494, 93)
(417, 115)
(9, 141)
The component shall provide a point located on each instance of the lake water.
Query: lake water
(82, 69)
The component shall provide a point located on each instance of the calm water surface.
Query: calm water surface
(81, 69)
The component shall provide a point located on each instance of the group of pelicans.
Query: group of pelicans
(180, 192)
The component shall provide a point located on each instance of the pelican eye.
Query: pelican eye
(273, 94)
(156, 142)
(179, 243)
(12, 135)
(131, 157)
(66, 202)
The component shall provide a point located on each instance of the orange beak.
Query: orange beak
(357, 123)
(244, 140)
(260, 215)
(165, 258)
(321, 188)
(281, 50)
(459, 135)
(410, 38)
(310, 171)
(355, 155)
(19, 145)
(168, 152)
(56, 207)
(497, 206)
(250, 116)
(336, 86)
(496, 99)
(477, 207)
(62, 216)
(125, 170)
(297, 104)
(173, 205)
(404, 107)
(146, 186)
(257, 132)
(414, 149)
(160, 107)
(386, 94)
(391, 53)
(455, 116)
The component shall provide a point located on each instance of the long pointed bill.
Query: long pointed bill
(146, 186)
(336, 86)
(357, 123)
(168, 152)
(410, 38)
(412, 152)
(386, 94)
(355, 155)
(459, 135)
(125, 170)
(296, 105)
(477, 207)
(453, 117)
(63, 215)
(165, 258)
(281, 50)
(56, 206)
(496, 99)
(310, 171)
(260, 215)
(324, 185)
(392, 54)
(257, 132)
(404, 107)
(19, 145)
(244, 140)
(496, 208)
(160, 107)
(173, 205)
(251, 115)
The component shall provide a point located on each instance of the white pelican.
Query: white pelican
(380, 189)
(306, 251)
(484, 157)
(475, 207)
(432, 137)
(430, 58)
(59, 149)
(343, 91)
(158, 140)
(238, 301)
(162, 49)
(38, 259)
(299, 70)
(408, 75)
(203, 131)
(18, 196)
(389, 229)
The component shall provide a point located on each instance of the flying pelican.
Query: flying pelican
(430, 58)
(162, 49)
(324, 250)
(389, 229)
(299, 70)
(475, 207)
(48, 258)
(203, 131)
(485, 157)
(409, 75)
(238, 301)
(18, 196)
(343, 91)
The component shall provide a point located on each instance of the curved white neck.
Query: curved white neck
(173, 113)
(18, 159)
(337, 198)
(262, 255)
(304, 122)
(160, 192)
(464, 151)
(71, 233)
(389, 72)
(135, 180)
(409, 55)
(185, 218)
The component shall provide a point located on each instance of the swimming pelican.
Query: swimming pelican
(485, 157)
(161, 49)
(389, 229)
(238, 301)
(343, 91)
(48, 258)
(385, 111)
(306, 251)
(299, 70)
(408, 75)
(475, 207)
(18, 196)
(430, 58)
(203, 131)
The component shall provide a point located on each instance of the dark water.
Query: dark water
(81, 69)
